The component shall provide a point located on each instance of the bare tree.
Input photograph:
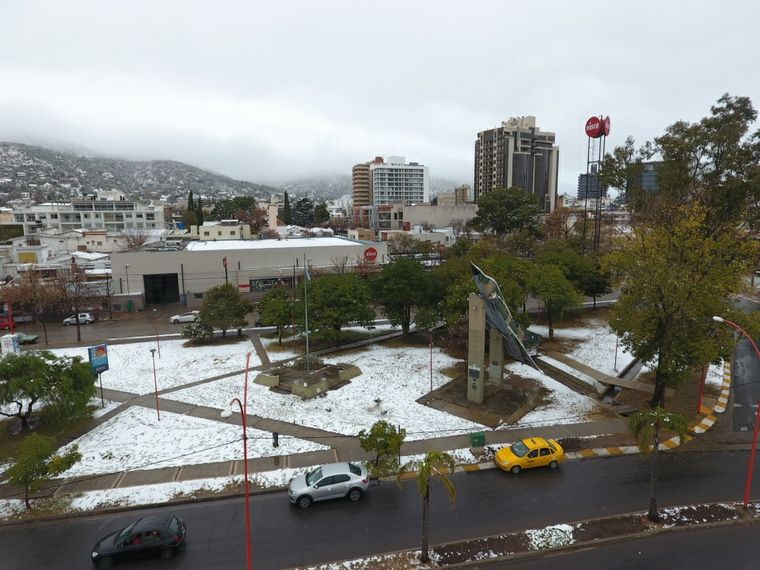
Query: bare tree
(134, 237)
(74, 292)
(34, 295)
(339, 264)
(402, 243)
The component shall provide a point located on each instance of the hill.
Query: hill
(57, 175)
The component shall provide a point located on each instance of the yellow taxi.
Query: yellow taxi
(530, 452)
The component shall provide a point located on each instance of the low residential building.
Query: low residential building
(221, 230)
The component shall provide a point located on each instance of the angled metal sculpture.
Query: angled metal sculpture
(488, 309)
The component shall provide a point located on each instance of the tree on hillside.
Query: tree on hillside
(303, 213)
(33, 295)
(287, 215)
(276, 309)
(507, 210)
(548, 284)
(435, 464)
(64, 385)
(385, 440)
(37, 462)
(321, 213)
(199, 212)
(224, 308)
(646, 427)
(334, 302)
(230, 209)
(675, 278)
(402, 286)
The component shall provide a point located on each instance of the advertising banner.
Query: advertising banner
(98, 358)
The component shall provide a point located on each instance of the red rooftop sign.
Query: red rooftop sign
(370, 254)
(597, 127)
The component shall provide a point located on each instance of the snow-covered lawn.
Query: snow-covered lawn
(394, 376)
(135, 439)
(597, 349)
(564, 405)
(130, 366)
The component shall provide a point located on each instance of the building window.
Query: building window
(218, 233)
(206, 234)
(197, 295)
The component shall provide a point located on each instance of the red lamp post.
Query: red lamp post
(751, 465)
(243, 406)
(155, 382)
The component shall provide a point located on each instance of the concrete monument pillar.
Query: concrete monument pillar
(495, 357)
(476, 349)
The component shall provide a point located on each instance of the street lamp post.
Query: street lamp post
(243, 406)
(751, 465)
(155, 382)
(126, 270)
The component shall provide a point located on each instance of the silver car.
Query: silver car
(333, 481)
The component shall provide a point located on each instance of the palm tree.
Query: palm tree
(435, 463)
(646, 427)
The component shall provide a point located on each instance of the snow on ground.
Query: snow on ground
(395, 376)
(715, 375)
(597, 349)
(564, 406)
(462, 456)
(598, 387)
(131, 365)
(554, 536)
(135, 439)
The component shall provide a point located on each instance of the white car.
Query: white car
(189, 317)
(84, 319)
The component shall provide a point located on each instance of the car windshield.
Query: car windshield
(519, 449)
(314, 476)
(124, 533)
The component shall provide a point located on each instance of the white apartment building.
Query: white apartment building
(88, 214)
(394, 181)
(221, 230)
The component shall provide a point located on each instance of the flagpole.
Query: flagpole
(306, 311)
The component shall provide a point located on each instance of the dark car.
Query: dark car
(158, 535)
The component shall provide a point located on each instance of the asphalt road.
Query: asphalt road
(388, 518)
(745, 373)
(735, 547)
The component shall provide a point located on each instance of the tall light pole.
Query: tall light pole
(155, 382)
(751, 465)
(126, 270)
(243, 406)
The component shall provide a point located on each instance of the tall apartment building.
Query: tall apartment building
(394, 181)
(518, 154)
(361, 189)
(589, 187)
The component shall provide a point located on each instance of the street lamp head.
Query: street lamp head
(153, 351)
(718, 319)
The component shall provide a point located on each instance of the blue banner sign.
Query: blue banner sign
(98, 358)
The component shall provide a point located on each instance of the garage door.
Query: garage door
(161, 289)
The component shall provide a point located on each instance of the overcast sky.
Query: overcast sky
(272, 91)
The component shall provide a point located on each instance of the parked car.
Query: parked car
(5, 323)
(157, 535)
(528, 453)
(333, 481)
(188, 317)
(84, 319)
(24, 338)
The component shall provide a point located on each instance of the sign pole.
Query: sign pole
(100, 381)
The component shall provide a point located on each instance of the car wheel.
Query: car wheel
(168, 553)
(355, 494)
(304, 502)
(105, 562)
(175, 321)
(516, 469)
(553, 464)
(67, 324)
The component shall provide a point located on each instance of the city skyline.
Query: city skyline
(276, 93)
